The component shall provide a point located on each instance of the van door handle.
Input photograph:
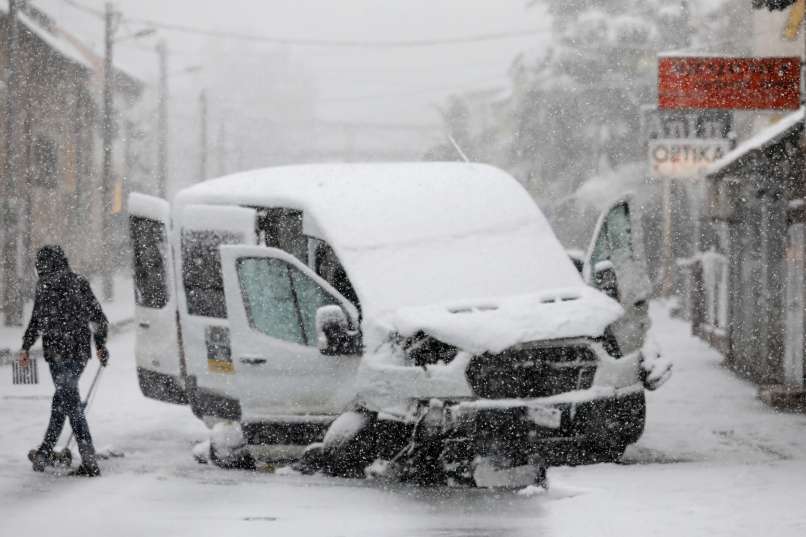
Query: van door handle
(144, 324)
(249, 360)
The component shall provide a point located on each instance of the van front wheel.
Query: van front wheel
(353, 441)
(228, 447)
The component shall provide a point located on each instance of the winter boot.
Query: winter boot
(41, 459)
(88, 468)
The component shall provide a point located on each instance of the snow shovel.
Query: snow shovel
(65, 456)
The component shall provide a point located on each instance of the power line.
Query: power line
(311, 42)
(85, 9)
(415, 93)
(307, 42)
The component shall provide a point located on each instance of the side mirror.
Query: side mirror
(334, 334)
(577, 258)
(604, 278)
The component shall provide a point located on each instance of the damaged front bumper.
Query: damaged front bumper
(551, 428)
(533, 405)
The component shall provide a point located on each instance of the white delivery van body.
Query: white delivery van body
(238, 280)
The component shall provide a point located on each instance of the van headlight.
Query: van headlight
(422, 349)
(610, 343)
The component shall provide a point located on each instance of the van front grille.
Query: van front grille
(532, 372)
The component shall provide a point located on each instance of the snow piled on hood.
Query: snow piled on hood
(495, 325)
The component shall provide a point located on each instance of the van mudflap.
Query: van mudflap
(161, 387)
(205, 403)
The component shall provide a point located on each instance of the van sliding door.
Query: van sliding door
(205, 326)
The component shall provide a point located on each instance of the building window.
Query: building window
(45, 160)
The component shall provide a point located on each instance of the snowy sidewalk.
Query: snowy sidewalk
(714, 460)
(120, 312)
(708, 413)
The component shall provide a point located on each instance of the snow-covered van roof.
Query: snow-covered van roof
(412, 234)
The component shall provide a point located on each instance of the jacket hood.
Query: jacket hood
(51, 260)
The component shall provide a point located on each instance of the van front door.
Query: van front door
(615, 264)
(160, 369)
(205, 326)
(272, 300)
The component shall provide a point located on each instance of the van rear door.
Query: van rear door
(272, 300)
(160, 368)
(205, 324)
(615, 263)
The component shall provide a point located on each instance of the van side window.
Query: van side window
(619, 230)
(149, 243)
(310, 297)
(601, 249)
(201, 271)
(269, 298)
(281, 301)
(282, 228)
(328, 266)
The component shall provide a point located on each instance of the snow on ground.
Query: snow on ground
(714, 461)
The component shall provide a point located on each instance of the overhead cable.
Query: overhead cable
(307, 42)
(314, 42)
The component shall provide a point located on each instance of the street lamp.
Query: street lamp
(186, 70)
(137, 35)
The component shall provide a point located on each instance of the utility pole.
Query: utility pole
(221, 149)
(12, 294)
(108, 135)
(667, 283)
(162, 123)
(671, 186)
(203, 161)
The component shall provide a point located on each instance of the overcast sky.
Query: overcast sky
(357, 84)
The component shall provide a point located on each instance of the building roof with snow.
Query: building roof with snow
(67, 46)
(754, 146)
(35, 25)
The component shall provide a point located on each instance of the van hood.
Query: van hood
(493, 325)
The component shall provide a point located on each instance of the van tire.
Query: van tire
(349, 445)
(240, 460)
(594, 453)
(621, 424)
(347, 455)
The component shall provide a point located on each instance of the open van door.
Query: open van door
(615, 264)
(160, 368)
(283, 369)
(204, 317)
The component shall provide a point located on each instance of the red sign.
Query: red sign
(729, 83)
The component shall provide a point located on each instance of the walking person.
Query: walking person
(64, 310)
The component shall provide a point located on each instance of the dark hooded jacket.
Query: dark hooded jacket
(64, 307)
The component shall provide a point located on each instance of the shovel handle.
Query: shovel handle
(86, 402)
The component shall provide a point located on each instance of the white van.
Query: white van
(260, 294)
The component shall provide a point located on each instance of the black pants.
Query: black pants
(67, 404)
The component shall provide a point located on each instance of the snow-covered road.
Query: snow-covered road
(714, 461)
